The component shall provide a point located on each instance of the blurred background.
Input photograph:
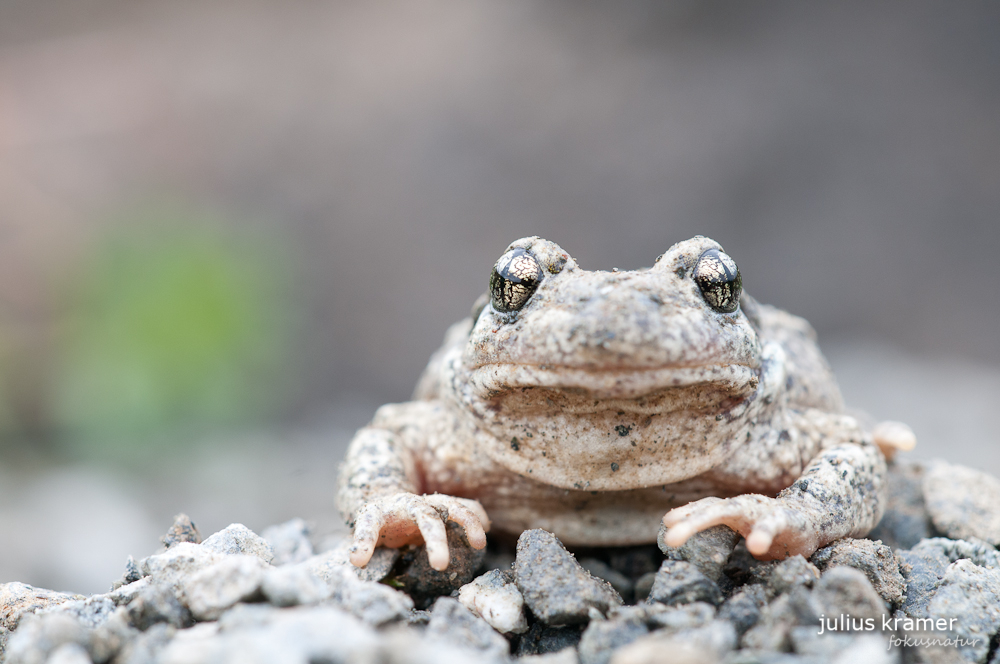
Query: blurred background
(230, 230)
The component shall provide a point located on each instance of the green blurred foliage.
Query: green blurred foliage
(172, 326)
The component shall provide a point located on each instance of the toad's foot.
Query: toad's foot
(773, 529)
(405, 518)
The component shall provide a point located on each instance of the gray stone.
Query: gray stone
(146, 647)
(962, 502)
(495, 598)
(871, 648)
(603, 637)
(293, 585)
(621, 583)
(979, 552)
(554, 586)
(743, 608)
(158, 603)
(38, 635)
(564, 656)
(743, 569)
(642, 612)
(634, 561)
(406, 646)
(235, 578)
(845, 590)
(453, 623)
(124, 594)
(643, 585)
(91, 612)
(923, 572)
(262, 634)
(971, 595)
(415, 576)
(874, 559)
(677, 629)
(790, 573)
(69, 653)
(716, 638)
(375, 603)
(237, 538)
(289, 541)
(178, 562)
(112, 637)
(183, 530)
(541, 639)
(378, 567)
(905, 521)
(796, 607)
(706, 644)
(806, 640)
(707, 550)
(680, 582)
(202, 644)
(924, 567)
(131, 574)
(418, 618)
(677, 618)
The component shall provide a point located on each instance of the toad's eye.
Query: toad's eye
(515, 278)
(719, 280)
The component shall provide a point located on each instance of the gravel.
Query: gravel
(680, 582)
(453, 623)
(156, 604)
(378, 567)
(183, 530)
(241, 597)
(789, 574)
(554, 585)
(906, 520)
(294, 585)
(237, 538)
(603, 637)
(290, 541)
(874, 559)
(374, 603)
(708, 550)
(971, 595)
(962, 502)
(211, 591)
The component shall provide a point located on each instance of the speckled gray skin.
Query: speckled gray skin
(607, 400)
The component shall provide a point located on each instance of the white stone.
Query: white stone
(178, 562)
(293, 585)
(497, 601)
(237, 538)
(214, 589)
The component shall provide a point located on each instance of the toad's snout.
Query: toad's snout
(632, 321)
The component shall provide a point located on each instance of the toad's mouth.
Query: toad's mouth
(494, 380)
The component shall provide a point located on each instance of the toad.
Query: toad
(593, 403)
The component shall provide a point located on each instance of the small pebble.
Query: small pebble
(554, 585)
(680, 582)
(495, 598)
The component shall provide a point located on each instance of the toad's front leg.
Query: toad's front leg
(838, 495)
(378, 495)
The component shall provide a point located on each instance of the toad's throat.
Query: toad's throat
(492, 380)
